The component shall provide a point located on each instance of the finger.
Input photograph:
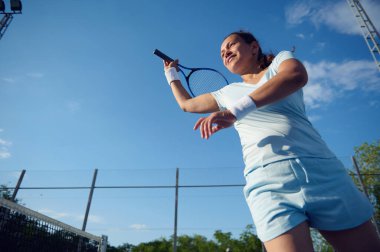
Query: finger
(173, 63)
(214, 119)
(203, 130)
(209, 127)
(198, 123)
(214, 129)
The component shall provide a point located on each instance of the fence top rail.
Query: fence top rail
(26, 211)
(121, 187)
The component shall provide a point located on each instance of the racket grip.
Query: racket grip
(162, 55)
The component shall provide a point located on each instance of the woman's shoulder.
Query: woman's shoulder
(281, 57)
(284, 55)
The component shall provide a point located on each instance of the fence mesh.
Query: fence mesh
(22, 229)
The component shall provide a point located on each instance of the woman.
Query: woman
(293, 180)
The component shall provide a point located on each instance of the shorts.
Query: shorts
(283, 194)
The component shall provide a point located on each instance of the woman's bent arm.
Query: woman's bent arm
(291, 77)
(204, 103)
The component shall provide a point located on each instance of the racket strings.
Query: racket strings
(205, 81)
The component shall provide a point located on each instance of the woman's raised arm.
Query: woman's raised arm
(201, 104)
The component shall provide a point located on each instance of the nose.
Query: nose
(228, 53)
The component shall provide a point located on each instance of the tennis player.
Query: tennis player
(293, 180)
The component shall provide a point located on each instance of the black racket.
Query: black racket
(199, 80)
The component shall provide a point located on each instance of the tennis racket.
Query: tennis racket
(199, 80)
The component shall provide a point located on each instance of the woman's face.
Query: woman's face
(238, 56)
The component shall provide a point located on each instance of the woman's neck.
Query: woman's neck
(253, 76)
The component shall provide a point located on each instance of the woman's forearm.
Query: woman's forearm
(292, 77)
(201, 104)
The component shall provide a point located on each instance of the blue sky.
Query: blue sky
(80, 89)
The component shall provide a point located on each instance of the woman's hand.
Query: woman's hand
(168, 64)
(214, 122)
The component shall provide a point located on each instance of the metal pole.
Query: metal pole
(87, 209)
(4, 23)
(175, 212)
(103, 245)
(364, 190)
(89, 200)
(360, 176)
(18, 185)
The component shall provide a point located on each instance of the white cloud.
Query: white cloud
(330, 80)
(374, 104)
(314, 118)
(94, 219)
(73, 106)
(18, 78)
(5, 143)
(138, 226)
(4, 151)
(8, 79)
(63, 216)
(298, 12)
(36, 75)
(317, 94)
(300, 35)
(319, 47)
(335, 15)
(53, 214)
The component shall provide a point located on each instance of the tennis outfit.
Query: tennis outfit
(291, 174)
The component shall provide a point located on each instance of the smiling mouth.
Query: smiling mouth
(229, 59)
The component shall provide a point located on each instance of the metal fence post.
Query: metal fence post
(364, 187)
(175, 212)
(18, 185)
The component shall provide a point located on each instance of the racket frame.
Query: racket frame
(192, 70)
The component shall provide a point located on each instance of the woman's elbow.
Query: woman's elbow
(186, 107)
(303, 79)
(300, 75)
(190, 107)
(183, 107)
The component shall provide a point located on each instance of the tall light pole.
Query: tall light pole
(370, 34)
(15, 8)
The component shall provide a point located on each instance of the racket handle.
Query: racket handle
(162, 55)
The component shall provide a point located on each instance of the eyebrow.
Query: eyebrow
(227, 46)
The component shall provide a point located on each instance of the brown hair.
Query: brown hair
(264, 59)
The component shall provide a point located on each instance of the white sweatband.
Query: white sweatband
(171, 75)
(242, 107)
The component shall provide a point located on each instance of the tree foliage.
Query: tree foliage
(5, 192)
(222, 242)
(368, 159)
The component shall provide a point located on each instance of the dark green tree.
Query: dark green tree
(126, 247)
(160, 245)
(223, 241)
(6, 193)
(368, 159)
(249, 240)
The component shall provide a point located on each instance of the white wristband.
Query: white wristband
(242, 107)
(171, 75)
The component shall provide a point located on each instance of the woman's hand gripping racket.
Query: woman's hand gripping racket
(199, 80)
